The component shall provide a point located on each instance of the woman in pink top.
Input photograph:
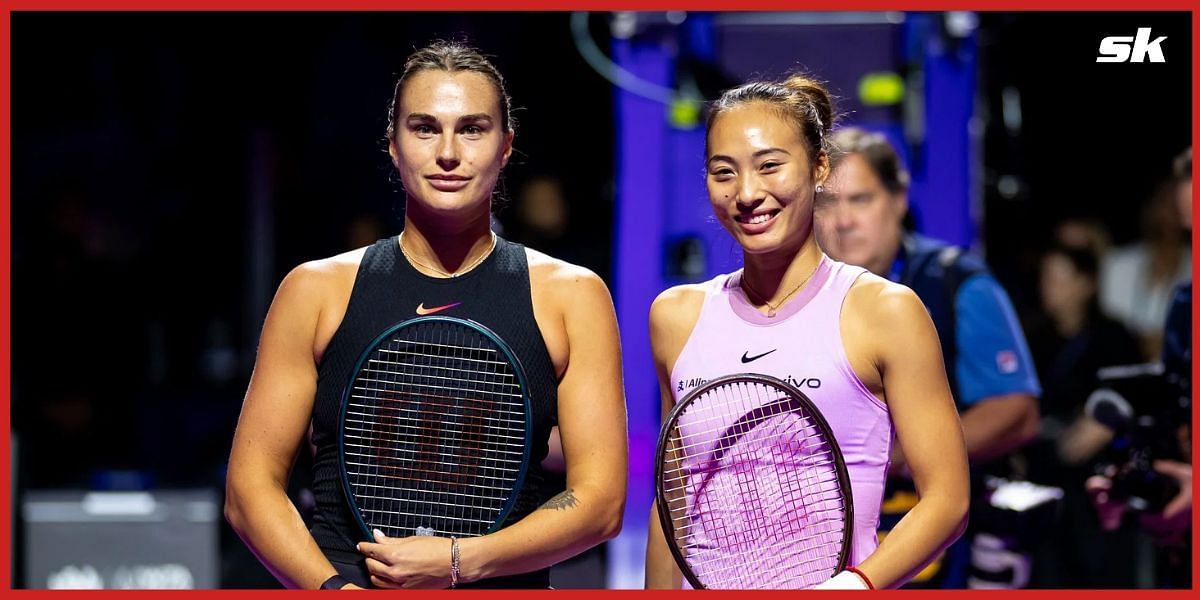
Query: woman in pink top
(862, 348)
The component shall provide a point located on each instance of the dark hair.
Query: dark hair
(452, 57)
(1083, 260)
(803, 101)
(881, 157)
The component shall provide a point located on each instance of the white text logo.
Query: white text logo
(1122, 48)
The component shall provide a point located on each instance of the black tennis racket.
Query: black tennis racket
(435, 430)
(752, 489)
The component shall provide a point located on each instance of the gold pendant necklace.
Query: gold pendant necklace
(773, 309)
(467, 269)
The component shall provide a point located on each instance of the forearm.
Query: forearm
(996, 426)
(269, 524)
(661, 571)
(1082, 440)
(571, 522)
(932, 525)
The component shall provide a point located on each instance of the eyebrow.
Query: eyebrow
(717, 157)
(472, 118)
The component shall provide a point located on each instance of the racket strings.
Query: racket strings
(389, 368)
(435, 432)
(752, 490)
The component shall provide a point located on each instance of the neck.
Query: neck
(446, 249)
(776, 277)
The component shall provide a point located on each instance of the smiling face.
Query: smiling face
(761, 178)
(449, 144)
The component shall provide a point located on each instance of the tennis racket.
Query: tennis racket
(752, 490)
(435, 430)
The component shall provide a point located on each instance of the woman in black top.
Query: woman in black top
(449, 136)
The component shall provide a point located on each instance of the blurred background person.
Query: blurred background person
(1071, 343)
(1169, 524)
(859, 220)
(1084, 233)
(1139, 278)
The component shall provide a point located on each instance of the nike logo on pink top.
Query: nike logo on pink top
(805, 344)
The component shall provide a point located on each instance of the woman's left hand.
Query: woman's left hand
(417, 562)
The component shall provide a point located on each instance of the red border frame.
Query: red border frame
(508, 5)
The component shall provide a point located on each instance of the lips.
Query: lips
(756, 222)
(448, 183)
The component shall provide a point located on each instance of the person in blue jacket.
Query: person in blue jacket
(860, 220)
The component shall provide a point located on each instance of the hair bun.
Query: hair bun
(818, 95)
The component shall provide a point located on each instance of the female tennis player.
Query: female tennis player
(861, 348)
(450, 134)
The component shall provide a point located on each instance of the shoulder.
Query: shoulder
(880, 302)
(317, 275)
(982, 297)
(311, 287)
(677, 308)
(1125, 258)
(563, 280)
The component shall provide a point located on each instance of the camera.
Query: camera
(1144, 407)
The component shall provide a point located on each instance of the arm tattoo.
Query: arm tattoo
(564, 500)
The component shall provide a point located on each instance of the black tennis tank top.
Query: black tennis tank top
(387, 291)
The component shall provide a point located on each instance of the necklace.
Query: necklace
(473, 264)
(773, 309)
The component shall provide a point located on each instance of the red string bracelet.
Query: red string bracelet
(863, 576)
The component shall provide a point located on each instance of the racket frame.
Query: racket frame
(518, 370)
(819, 422)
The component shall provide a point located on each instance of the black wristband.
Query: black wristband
(334, 583)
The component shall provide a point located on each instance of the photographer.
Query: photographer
(1169, 519)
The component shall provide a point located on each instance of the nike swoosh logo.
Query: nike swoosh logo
(746, 358)
(421, 310)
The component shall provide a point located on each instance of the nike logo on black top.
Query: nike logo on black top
(421, 310)
(746, 358)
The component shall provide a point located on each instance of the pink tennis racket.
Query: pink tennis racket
(752, 489)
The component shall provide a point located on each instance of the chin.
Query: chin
(763, 244)
(449, 203)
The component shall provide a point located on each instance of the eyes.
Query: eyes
(723, 172)
(425, 130)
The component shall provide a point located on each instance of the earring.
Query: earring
(820, 188)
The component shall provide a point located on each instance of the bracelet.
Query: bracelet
(453, 562)
(334, 583)
(863, 576)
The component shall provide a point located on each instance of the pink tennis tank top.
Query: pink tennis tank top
(802, 345)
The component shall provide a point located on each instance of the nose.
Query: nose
(448, 156)
(843, 217)
(749, 190)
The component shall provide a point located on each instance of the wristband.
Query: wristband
(334, 583)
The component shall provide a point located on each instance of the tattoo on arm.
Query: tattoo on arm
(564, 500)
